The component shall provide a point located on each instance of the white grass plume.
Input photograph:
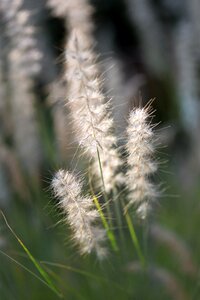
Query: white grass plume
(85, 100)
(92, 123)
(91, 119)
(80, 213)
(140, 149)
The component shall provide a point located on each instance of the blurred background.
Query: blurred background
(147, 49)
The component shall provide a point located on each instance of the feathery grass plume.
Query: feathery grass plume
(91, 120)
(177, 246)
(140, 149)
(84, 97)
(80, 213)
(24, 64)
(90, 114)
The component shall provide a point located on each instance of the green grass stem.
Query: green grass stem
(134, 238)
(110, 234)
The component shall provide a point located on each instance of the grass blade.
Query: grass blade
(34, 261)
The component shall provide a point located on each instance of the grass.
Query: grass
(39, 260)
(43, 263)
(84, 277)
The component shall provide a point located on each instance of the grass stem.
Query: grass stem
(105, 224)
(104, 188)
(135, 239)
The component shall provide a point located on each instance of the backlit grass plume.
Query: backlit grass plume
(86, 101)
(140, 149)
(94, 126)
(80, 213)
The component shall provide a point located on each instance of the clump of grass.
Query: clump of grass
(103, 218)
(94, 132)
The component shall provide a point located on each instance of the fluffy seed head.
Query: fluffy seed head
(90, 114)
(80, 213)
(140, 149)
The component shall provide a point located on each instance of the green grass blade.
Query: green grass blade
(134, 238)
(34, 261)
(110, 234)
(90, 275)
(104, 187)
(24, 267)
